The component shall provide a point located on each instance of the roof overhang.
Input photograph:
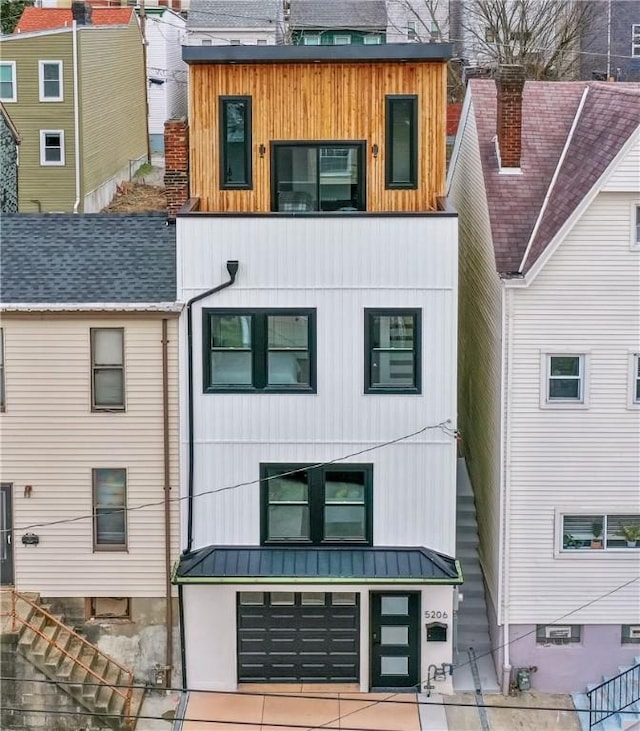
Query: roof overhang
(390, 52)
(321, 565)
(8, 307)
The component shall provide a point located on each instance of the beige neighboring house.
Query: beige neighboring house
(89, 426)
(73, 81)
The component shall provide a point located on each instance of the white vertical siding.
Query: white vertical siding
(480, 347)
(586, 299)
(51, 440)
(338, 265)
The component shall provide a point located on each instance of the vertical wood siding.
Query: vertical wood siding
(51, 440)
(479, 347)
(317, 102)
(340, 267)
(574, 460)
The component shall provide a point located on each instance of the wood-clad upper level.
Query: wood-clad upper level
(341, 107)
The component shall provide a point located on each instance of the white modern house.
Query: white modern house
(242, 22)
(318, 351)
(545, 179)
(166, 71)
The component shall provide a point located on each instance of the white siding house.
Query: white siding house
(166, 71)
(242, 23)
(549, 384)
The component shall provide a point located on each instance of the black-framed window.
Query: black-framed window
(401, 153)
(235, 142)
(316, 505)
(318, 176)
(107, 369)
(392, 345)
(109, 509)
(253, 350)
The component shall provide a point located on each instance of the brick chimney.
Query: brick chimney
(176, 164)
(509, 86)
(81, 12)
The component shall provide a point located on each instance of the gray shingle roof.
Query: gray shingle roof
(87, 258)
(358, 565)
(237, 14)
(337, 14)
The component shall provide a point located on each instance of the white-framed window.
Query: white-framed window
(50, 81)
(558, 634)
(8, 86)
(261, 42)
(51, 147)
(235, 42)
(206, 42)
(412, 30)
(341, 40)
(564, 378)
(600, 532)
(635, 225)
(373, 40)
(310, 40)
(635, 40)
(634, 379)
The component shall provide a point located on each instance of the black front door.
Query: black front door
(6, 536)
(395, 639)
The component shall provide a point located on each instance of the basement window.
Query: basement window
(109, 608)
(556, 634)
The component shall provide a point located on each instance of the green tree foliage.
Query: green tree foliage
(10, 12)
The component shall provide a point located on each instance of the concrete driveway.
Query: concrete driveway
(312, 709)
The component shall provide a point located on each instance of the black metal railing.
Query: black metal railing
(614, 695)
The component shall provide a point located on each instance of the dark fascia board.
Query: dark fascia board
(390, 52)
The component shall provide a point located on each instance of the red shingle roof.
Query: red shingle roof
(34, 19)
(610, 114)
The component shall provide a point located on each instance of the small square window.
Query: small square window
(310, 40)
(565, 378)
(51, 147)
(109, 509)
(50, 81)
(107, 369)
(556, 634)
(392, 351)
(110, 608)
(630, 634)
(341, 40)
(251, 598)
(206, 42)
(372, 40)
(8, 86)
(235, 42)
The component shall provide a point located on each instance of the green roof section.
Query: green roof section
(316, 565)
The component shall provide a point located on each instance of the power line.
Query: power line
(443, 426)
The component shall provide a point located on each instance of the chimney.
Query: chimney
(81, 12)
(509, 86)
(176, 164)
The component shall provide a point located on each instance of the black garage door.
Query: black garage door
(311, 636)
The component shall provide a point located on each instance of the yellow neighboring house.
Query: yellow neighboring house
(74, 82)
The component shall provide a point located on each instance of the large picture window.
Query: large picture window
(316, 505)
(600, 532)
(392, 351)
(109, 509)
(235, 142)
(401, 153)
(259, 350)
(318, 177)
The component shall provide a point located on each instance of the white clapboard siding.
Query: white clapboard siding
(626, 176)
(338, 265)
(479, 351)
(583, 459)
(51, 440)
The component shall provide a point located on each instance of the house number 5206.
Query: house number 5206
(436, 615)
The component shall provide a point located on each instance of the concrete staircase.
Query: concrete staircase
(626, 686)
(93, 679)
(472, 624)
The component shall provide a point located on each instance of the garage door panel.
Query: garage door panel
(305, 641)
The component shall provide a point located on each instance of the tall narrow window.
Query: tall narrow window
(635, 40)
(50, 73)
(392, 351)
(235, 142)
(109, 509)
(2, 402)
(401, 154)
(107, 366)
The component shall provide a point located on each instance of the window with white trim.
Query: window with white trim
(50, 81)
(600, 532)
(635, 226)
(51, 147)
(8, 87)
(310, 40)
(341, 40)
(565, 378)
(635, 40)
(412, 30)
(635, 379)
(558, 634)
(373, 40)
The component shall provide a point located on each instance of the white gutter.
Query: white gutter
(76, 115)
(91, 307)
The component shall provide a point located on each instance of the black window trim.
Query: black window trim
(369, 313)
(259, 349)
(316, 502)
(359, 145)
(390, 184)
(248, 164)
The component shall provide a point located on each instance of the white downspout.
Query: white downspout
(76, 114)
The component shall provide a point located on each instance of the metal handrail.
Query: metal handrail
(614, 695)
(127, 696)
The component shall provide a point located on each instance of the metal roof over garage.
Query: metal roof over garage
(316, 565)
